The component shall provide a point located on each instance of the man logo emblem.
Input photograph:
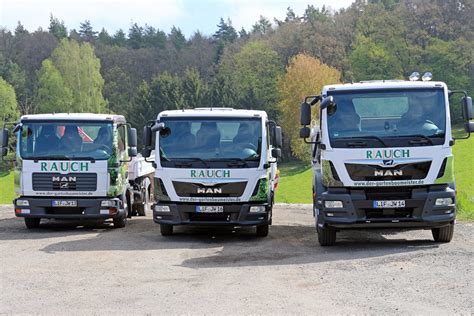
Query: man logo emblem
(388, 162)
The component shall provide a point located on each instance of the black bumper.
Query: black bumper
(87, 208)
(233, 215)
(358, 211)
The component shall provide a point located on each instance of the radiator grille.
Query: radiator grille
(64, 182)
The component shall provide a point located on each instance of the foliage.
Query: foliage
(52, 94)
(8, 106)
(253, 74)
(80, 70)
(305, 75)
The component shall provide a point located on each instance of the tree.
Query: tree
(305, 75)
(253, 74)
(372, 61)
(262, 27)
(52, 94)
(57, 28)
(135, 34)
(194, 89)
(80, 70)
(166, 92)
(86, 32)
(177, 38)
(119, 38)
(8, 106)
(225, 32)
(20, 30)
(104, 38)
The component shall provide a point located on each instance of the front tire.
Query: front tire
(326, 236)
(32, 223)
(166, 230)
(262, 230)
(120, 221)
(443, 234)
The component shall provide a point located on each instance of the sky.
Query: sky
(188, 15)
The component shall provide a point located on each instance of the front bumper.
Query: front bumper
(87, 208)
(420, 210)
(234, 215)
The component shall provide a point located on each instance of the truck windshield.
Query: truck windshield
(211, 142)
(66, 140)
(387, 118)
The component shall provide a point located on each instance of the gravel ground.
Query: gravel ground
(61, 268)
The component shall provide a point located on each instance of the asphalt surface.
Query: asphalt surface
(62, 268)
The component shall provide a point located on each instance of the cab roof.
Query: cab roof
(213, 112)
(74, 117)
(383, 84)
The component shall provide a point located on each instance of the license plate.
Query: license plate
(63, 203)
(209, 209)
(389, 204)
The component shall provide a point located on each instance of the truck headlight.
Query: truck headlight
(257, 209)
(333, 204)
(444, 201)
(162, 209)
(22, 203)
(108, 203)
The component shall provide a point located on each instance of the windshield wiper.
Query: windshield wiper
(176, 161)
(53, 157)
(234, 161)
(362, 144)
(424, 139)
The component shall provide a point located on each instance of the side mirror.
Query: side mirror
(276, 153)
(4, 137)
(467, 108)
(305, 113)
(278, 138)
(147, 136)
(132, 152)
(132, 137)
(305, 132)
(469, 127)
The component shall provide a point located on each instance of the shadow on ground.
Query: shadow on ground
(286, 244)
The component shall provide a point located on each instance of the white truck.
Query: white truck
(382, 158)
(214, 166)
(78, 166)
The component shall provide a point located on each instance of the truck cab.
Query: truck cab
(73, 166)
(214, 166)
(381, 155)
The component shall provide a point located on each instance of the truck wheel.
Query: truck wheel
(326, 236)
(144, 208)
(262, 230)
(120, 221)
(32, 223)
(166, 230)
(443, 234)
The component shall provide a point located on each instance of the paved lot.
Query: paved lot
(61, 268)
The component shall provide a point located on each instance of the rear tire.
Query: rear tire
(32, 223)
(262, 230)
(142, 209)
(443, 234)
(166, 230)
(326, 236)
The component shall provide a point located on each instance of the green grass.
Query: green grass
(6, 188)
(295, 183)
(464, 174)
